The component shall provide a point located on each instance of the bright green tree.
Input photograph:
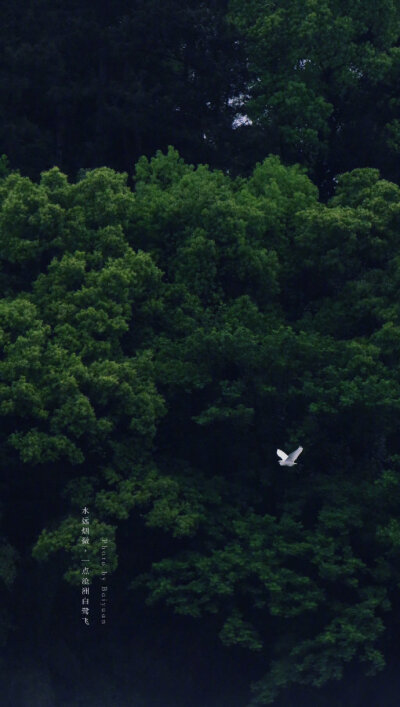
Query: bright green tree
(157, 346)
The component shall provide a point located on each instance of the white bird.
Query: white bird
(289, 459)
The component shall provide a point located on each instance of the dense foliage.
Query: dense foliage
(87, 84)
(165, 326)
(323, 82)
(84, 85)
(158, 344)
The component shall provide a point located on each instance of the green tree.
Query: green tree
(157, 346)
(323, 83)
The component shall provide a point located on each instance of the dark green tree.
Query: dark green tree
(323, 87)
(84, 85)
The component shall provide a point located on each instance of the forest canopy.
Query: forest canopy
(84, 85)
(199, 263)
(158, 343)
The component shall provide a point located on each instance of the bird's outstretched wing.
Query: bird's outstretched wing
(281, 454)
(293, 455)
